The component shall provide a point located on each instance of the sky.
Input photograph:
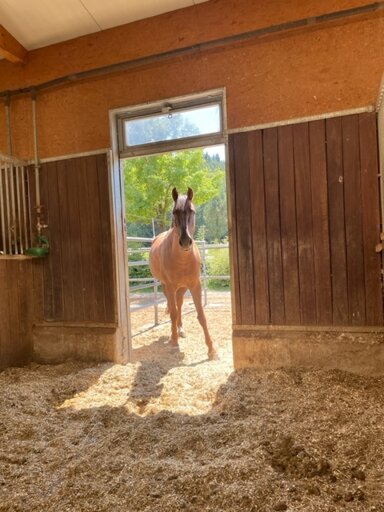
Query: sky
(216, 150)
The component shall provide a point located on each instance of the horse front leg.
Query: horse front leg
(179, 302)
(196, 295)
(170, 294)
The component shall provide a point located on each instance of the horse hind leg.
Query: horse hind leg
(179, 302)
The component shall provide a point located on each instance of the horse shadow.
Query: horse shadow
(154, 361)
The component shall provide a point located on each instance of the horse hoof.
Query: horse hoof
(182, 333)
(173, 344)
(213, 355)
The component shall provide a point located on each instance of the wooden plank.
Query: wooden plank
(106, 245)
(72, 212)
(88, 248)
(319, 186)
(259, 232)
(10, 48)
(25, 311)
(95, 300)
(353, 221)
(288, 226)
(304, 223)
(68, 278)
(54, 236)
(48, 264)
(337, 221)
(232, 139)
(5, 356)
(275, 266)
(244, 234)
(371, 218)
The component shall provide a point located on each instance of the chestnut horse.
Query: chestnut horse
(174, 260)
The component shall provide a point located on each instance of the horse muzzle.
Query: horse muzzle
(185, 243)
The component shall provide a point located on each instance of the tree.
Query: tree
(149, 182)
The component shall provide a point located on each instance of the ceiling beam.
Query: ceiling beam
(10, 48)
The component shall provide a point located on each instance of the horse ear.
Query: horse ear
(175, 194)
(190, 194)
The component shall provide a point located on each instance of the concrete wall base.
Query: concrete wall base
(358, 352)
(57, 343)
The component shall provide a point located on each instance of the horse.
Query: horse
(174, 260)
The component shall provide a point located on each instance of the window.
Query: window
(171, 125)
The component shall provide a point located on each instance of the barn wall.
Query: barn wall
(75, 291)
(319, 69)
(305, 225)
(16, 311)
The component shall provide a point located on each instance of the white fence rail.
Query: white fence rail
(137, 284)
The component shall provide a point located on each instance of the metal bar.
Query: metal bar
(13, 223)
(137, 263)
(309, 22)
(18, 216)
(2, 201)
(141, 287)
(138, 239)
(24, 180)
(7, 199)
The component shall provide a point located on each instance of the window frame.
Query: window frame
(176, 105)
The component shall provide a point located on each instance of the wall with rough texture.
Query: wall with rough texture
(319, 69)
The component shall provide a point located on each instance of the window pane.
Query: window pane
(173, 125)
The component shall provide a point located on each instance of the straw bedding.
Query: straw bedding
(174, 432)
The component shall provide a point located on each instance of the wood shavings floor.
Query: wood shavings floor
(172, 431)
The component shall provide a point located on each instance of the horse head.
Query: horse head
(183, 217)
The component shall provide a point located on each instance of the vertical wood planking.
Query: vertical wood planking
(319, 188)
(106, 249)
(259, 234)
(52, 266)
(232, 143)
(335, 175)
(371, 217)
(315, 205)
(15, 312)
(88, 247)
(244, 234)
(66, 242)
(76, 195)
(275, 265)
(353, 221)
(288, 226)
(304, 224)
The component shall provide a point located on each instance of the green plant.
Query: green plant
(218, 265)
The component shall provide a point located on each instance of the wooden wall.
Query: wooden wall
(306, 219)
(323, 68)
(77, 278)
(16, 310)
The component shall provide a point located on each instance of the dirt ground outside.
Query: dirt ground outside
(172, 431)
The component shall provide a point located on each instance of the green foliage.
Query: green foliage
(218, 265)
(149, 182)
(141, 270)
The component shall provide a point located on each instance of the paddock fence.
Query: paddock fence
(145, 291)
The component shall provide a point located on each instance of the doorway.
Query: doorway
(178, 142)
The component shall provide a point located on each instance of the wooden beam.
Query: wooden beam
(10, 48)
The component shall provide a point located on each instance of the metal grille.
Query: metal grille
(15, 228)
